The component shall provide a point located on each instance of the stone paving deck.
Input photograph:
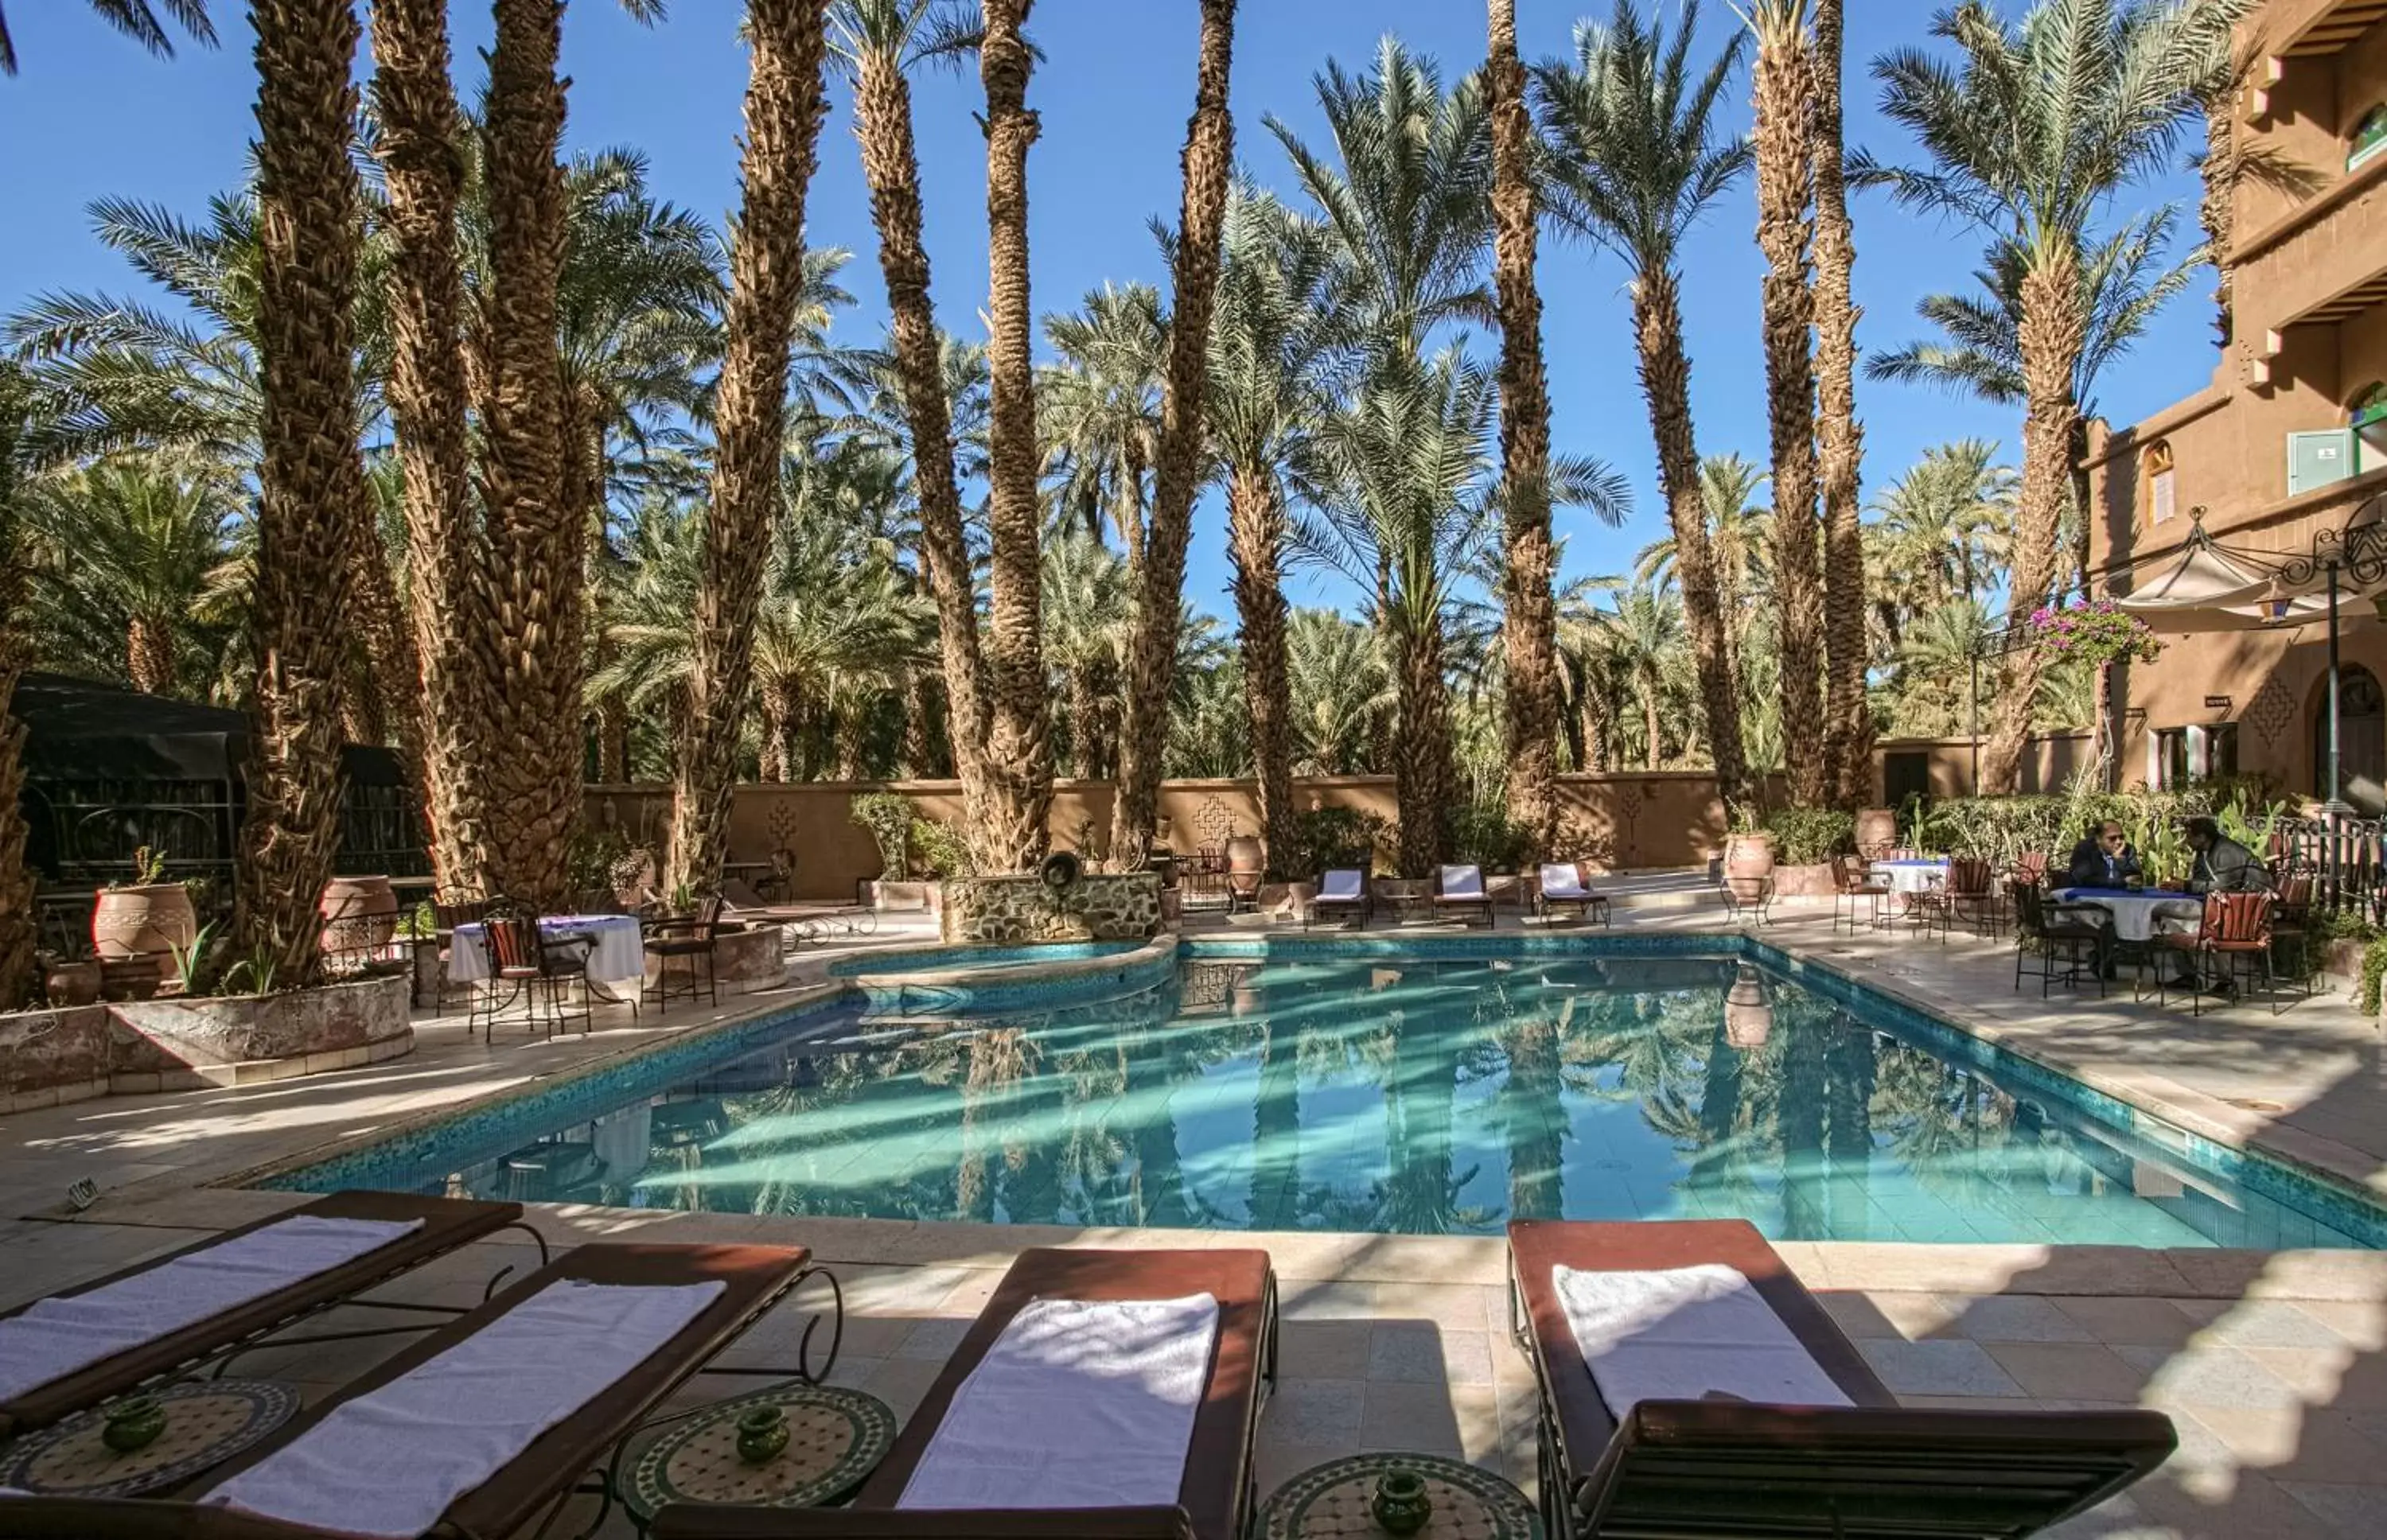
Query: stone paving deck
(2273, 1365)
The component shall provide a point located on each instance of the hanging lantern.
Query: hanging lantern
(1748, 1010)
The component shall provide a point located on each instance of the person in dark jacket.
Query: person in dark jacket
(2223, 866)
(2104, 860)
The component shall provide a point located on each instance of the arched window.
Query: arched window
(2370, 138)
(2163, 499)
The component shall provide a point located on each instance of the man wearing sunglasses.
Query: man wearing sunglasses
(2104, 860)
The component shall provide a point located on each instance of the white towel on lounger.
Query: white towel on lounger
(389, 1463)
(1078, 1404)
(1462, 882)
(1684, 1334)
(1562, 880)
(55, 1338)
(1340, 887)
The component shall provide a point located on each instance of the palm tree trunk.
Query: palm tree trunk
(16, 927)
(1424, 768)
(1842, 436)
(882, 113)
(918, 754)
(1255, 540)
(1010, 834)
(1529, 612)
(1653, 733)
(1160, 578)
(2216, 209)
(422, 163)
(1127, 505)
(1666, 382)
(779, 700)
(785, 105)
(1784, 92)
(312, 480)
(2053, 331)
(150, 654)
(534, 572)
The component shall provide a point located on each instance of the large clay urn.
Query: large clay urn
(1749, 865)
(359, 913)
(1876, 833)
(148, 922)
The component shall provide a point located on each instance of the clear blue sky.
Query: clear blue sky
(91, 114)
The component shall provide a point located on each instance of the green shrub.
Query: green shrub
(889, 819)
(2374, 967)
(1807, 835)
(1482, 835)
(938, 848)
(1328, 838)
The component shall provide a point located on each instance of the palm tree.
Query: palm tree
(1840, 436)
(1185, 458)
(1784, 88)
(784, 107)
(1936, 654)
(1010, 833)
(131, 551)
(1338, 693)
(420, 146)
(136, 20)
(1646, 629)
(1088, 599)
(16, 924)
(1944, 523)
(2028, 136)
(878, 42)
(1268, 340)
(1638, 159)
(1529, 630)
(1102, 408)
(312, 480)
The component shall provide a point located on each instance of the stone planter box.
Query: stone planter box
(52, 1056)
(237, 1039)
(744, 960)
(1123, 906)
(914, 898)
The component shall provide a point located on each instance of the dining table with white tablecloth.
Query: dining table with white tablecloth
(619, 952)
(2135, 910)
(1911, 875)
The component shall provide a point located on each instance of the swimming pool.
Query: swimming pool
(1428, 1088)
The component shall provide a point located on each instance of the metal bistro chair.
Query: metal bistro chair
(690, 938)
(2049, 932)
(2291, 927)
(448, 912)
(2234, 934)
(1853, 884)
(1972, 890)
(539, 967)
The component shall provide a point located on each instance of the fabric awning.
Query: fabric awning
(2206, 588)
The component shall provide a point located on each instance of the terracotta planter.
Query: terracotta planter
(147, 922)
(359, 913)
(1749, 865)
(1876, 832)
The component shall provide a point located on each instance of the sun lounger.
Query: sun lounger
(1840, 1458)
(419, 1230)
(1009, 1398)
(1459, 891)
(1341, 892)
(1562, 885)
(661, 1312)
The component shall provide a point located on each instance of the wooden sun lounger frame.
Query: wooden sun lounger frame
(1218, 1497)
(535, 1485)
(1589, 906)
(1870, 1471)
(448, 1224)
(1480, 902)
(1364, 906)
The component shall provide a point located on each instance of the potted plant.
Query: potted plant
(1748, 858)
(144, 916)
(360, 915)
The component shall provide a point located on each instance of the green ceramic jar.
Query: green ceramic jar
(134, 1424)
(1402, 1505)
(761, 1433)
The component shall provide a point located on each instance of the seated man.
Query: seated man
(2223, 866)
(2104, 860)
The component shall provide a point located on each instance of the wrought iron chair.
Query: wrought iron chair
(539, 968)
(2053, 932)
(690, 938)
(1855, 885)
(2233, 934)
(450, 910)
(1971, 892)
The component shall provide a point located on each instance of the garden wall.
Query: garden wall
(1627, 820)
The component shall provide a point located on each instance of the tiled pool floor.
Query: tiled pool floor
(2273, 1365)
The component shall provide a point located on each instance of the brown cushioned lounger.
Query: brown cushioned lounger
(1869, 1471)
(688, 1521)
(754, 1278)
(1215, 1494)
(448, 1223)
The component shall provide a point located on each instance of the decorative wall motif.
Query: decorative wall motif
(2271, 710)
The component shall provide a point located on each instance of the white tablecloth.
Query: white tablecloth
(620, 954)
(1913, 876)
(2134, 918)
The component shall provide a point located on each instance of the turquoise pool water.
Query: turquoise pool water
(976, 958)
(1387, 1093)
